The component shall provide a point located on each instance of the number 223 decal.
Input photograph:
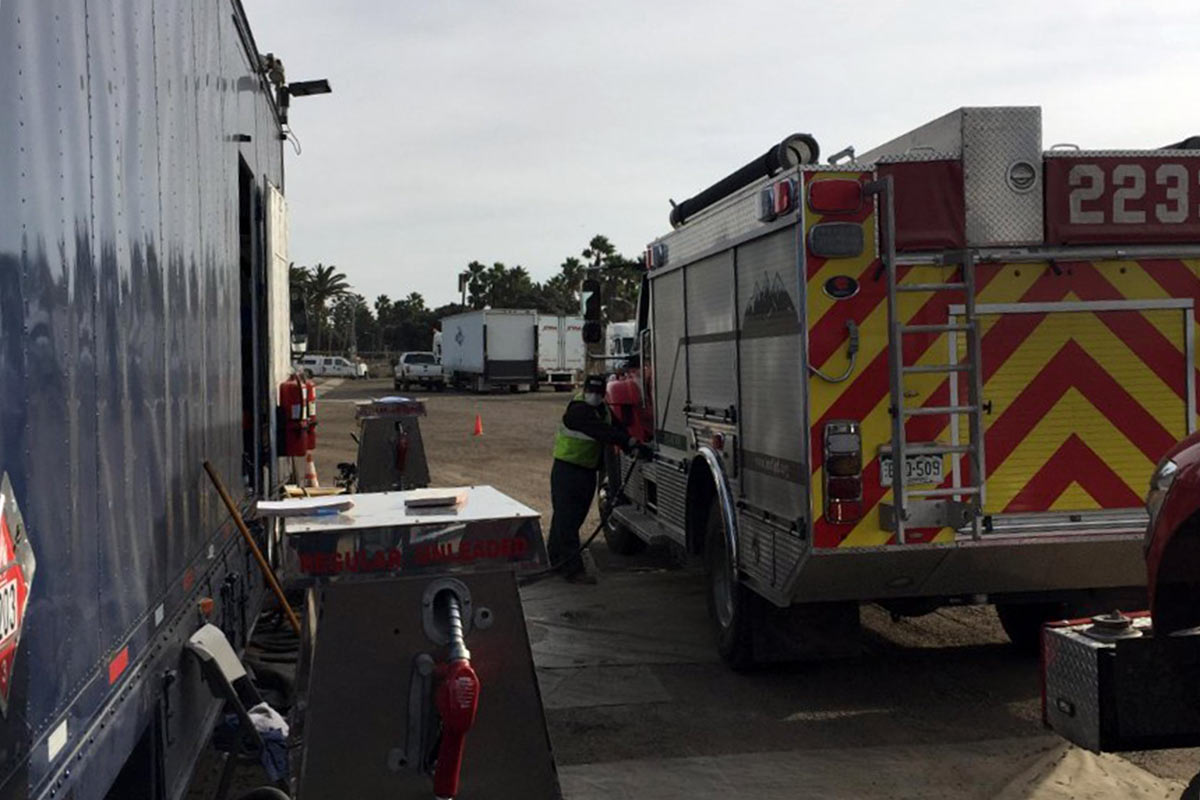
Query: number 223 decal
(1117, 194)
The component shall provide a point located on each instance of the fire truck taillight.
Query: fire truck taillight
(843, 472)
(835, 196)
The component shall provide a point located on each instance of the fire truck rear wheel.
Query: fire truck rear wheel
(730, 604)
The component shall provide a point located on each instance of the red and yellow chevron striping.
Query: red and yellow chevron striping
(1084, 399)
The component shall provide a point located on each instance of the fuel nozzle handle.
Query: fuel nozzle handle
(457, 700)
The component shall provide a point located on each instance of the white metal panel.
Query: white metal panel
(712, 318)
(573, 347)
(549, 355)
(617, 332)
(510, 334)
(462, 342)
(278, 298)
(773, 390)
(942, 135)
(724, 221)
(670, 361)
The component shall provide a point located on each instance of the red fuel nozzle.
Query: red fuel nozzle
(457, 700)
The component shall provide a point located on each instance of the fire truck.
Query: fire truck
(933, 373)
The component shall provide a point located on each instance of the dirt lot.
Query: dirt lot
(513, 454)
(638, 705)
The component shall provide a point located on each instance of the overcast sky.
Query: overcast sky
(513, 130)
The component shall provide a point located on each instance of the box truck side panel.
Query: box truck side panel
(549, 352)
(462, 343)
(510, 346)
(573, 347)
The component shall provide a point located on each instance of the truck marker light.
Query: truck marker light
(776, 200)
(766, 205)
(783, 194)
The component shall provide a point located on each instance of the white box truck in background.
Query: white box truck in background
(619, 340)
(561, 353)
(497, 347)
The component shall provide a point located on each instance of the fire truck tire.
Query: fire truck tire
(730, 604)
(1192, 792)
(1023, 623)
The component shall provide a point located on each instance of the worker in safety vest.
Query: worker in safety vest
(587, 427)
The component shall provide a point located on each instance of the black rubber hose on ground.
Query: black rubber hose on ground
(534, 577)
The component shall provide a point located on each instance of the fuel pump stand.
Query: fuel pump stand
(416, 678)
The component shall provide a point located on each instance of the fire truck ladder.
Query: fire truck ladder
(957, 506)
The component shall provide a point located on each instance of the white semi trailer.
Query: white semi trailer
(496, 347)
(561, 353)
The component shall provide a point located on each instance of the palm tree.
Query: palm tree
(325, 283)
(477, 284)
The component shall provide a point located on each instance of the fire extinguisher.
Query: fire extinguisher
(292, 419)
(310, 396)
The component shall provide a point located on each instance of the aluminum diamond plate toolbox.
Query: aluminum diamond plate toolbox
(1126, 694)
(1001, 153)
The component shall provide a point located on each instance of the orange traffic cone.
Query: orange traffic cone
(478, 426)
(310, 472)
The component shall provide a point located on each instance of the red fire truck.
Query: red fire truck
(933, 373)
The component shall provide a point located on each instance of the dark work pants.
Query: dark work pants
(571, 491)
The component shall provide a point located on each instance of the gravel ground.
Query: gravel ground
(942, 679)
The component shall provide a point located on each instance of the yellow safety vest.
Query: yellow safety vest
(579, 448)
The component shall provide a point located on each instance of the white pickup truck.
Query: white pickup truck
(330, 366)
(419, 367)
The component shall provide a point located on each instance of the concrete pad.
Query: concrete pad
(1038, 768)
(628, 618)
(591, 687)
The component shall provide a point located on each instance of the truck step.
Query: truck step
(649, 528)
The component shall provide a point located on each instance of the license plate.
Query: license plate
(917, 470)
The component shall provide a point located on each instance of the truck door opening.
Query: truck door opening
(255, 414)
